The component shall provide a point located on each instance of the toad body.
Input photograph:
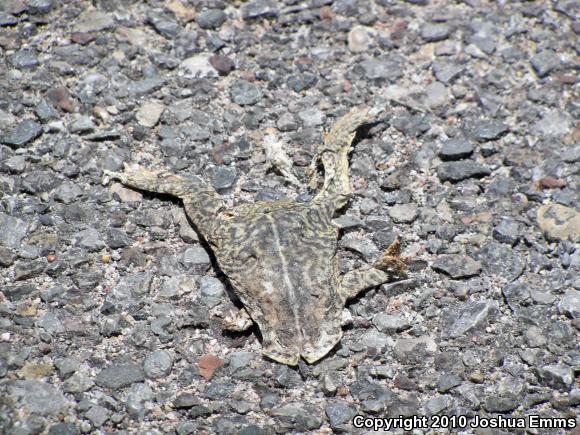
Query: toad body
(280, 256)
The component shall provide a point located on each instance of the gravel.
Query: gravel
(109, 299)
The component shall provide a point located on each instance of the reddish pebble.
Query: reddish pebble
(208, 364)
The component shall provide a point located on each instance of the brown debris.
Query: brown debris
(208, 364)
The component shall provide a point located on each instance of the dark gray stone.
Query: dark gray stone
(569, 304)
(447, 382)
(340, 414)
(483, 130)
(117, 238)
(556, 375)
(28, 269)
(432, 32)
(145, 87)
(438, 404)
(63, 429)
(297, 417)
(461, 170)
(25, 59)
(389, 323)
(38, 397)
(457, 266)
(379, 69)
(118, 376)
(260, 9)
(223, 177)
(507, 231)
(447, 72)
(7, 20)
(39, 7)
(500, 260)
(90, 239)
(545, 62)
(98, 415)
(456, 149)
(45, 111)
(245, 93)
(158, 364)
(469, 317)
(211, 18)
(12, 231)
(23, 133)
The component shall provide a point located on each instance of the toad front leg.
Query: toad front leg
(202, 203)
(390, 267)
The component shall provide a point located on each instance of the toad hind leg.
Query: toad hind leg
(389, 267)
(202, 203)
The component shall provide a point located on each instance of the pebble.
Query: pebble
(195, 256)
(118, 376)
(93, 21)
(383, 68)
(556, 375)
(484, 130)
(38, 397)
(500, 260)
(98, 415)
(90, 239)
(158, 364)
(361, 38)
(457, 266)
(312, 117)
(340, 414)
(456, 149)
(25, 59)
(558, 222)
(436, 95)
(22, 134)
(545, 62)
(297, 416)
(433, 32)
(200, 66)
(554, 123)
(210, 18)
(507, 231)
(470, 316)
(389, 323)
(144, 87)
(461, 170)
(12, 231)
(223, 177)
(149, 113)
(260, 9)
(403, 213)
(222, 64)
(245, 93)
(569, 304)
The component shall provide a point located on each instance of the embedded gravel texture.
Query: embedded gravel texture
(111, 306)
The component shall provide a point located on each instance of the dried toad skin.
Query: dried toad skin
(280, 256)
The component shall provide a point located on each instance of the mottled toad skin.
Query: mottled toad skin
(280, 256)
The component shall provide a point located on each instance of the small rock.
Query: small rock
(83, 124)
(222, 64)
(118, 376)
(211, 287)
(559, 222)
(12, 231)
(146, 86)
(98, 415)
(149, 113)
(569, 304)
(208, 364)
(260, 9)
(25, 59)
(312, 117)
(25, 132)
(361, 38)
(240, 360)
(545, 62)
(340, 414)
(380, 69)
(200, 66)
(38, 397)
(507, 231)
(461, 170)
(195, 256)
(403, 213)
(67, 193)
(210, 19)
(45, 111)
(447, 382)
(388, 323)
(94, 21)
(438, 404)
(456, 149)
(245, 93)
(457, 266)
(90, 239)
(483, 130)
(471, 316)
(556, 375)
(436, 95)
(223, 177)
(432, 32)
(500, 260)
(15, 164)
(158, 364)
(554, 123)
(297, 417)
